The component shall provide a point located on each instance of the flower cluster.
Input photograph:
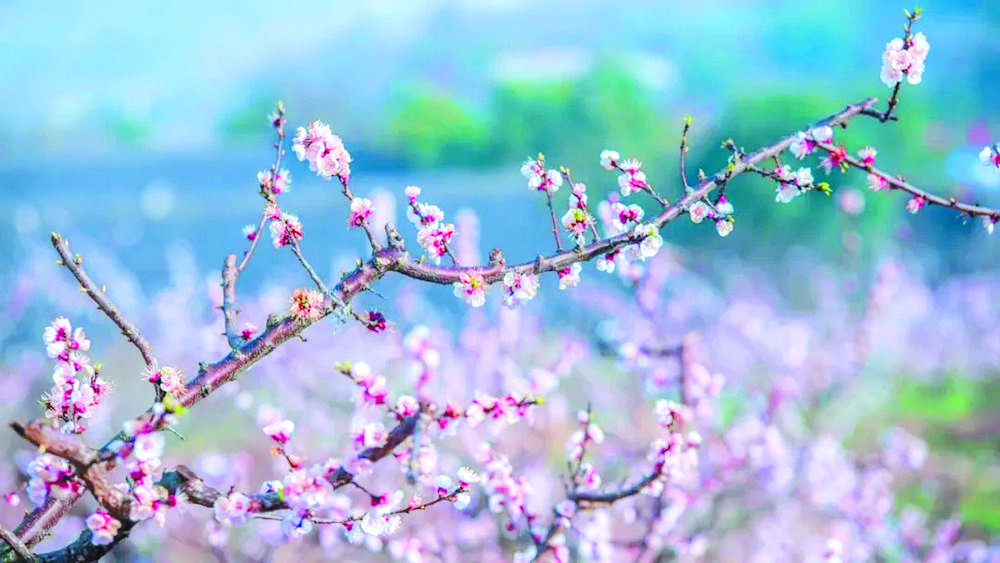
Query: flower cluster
(274, 183)
(148, 500)
(78, 387)
(168, 378)
(538, 177)
(505, 491)
(512, 408)
(285, 229)
(46, 472)
(433, 235)
(791, 184)
(103, 526)
(907, 60)
(520, 287)
(324, 151)
(307, 305)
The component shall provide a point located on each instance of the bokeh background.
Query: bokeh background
(136, 131)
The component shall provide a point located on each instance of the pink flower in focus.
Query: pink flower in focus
(632, 178)
(247, 332)
(471, 288)
(361, 209)
(324, 151)
(699, 211)
(837, 157)
(539, 178)
(570, 276)
(867, 155)
(307, 305)
(900, 60)
(103, 527)
(622, 215)
(877, 183)
(521, 287)
(285, 230)
(916, 204)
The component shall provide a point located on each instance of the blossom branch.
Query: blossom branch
(75, 265)
(683, 151)
(901, 184)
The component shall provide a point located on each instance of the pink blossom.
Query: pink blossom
(247, 332)
(233, 509)
(632, 178)
(900, 60)
(610, 159)
(361, 209)
(285, 230)
(623, 215)
(471, 288)
(60, 339)
(324, 151)
(577, 221)
(148, 446)
(103, 526)
(280, 431)
(867, 155)
(916, 203)
(570, 276)
(407, 406)
(371, 434)
(434, 240)
(250, 231)
(835, 158)
(651, 241)
(412, 193)
(699, 211)
(539, 178)
(272, 183)
(307, 305)
(521, 287)
(877, 183)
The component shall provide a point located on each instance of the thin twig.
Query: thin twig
(555, 222)
(75, 265)
(684, 151)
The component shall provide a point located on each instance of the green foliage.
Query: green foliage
(248, 123)
(433, 129)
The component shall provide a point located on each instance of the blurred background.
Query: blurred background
(137, 133)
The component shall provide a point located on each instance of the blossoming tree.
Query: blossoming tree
(677, 460)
